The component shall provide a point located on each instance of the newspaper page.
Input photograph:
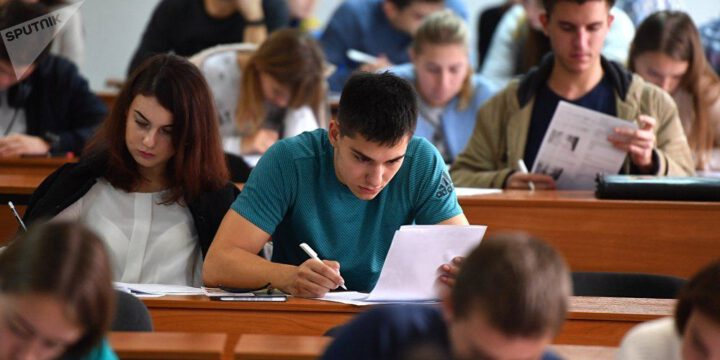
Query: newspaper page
(575, 147)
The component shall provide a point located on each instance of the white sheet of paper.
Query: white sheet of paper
(466, 191)
(575, 147)
(153, 290)
(410, 268)
(416, 252)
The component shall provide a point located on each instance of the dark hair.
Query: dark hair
(701, 293)
(198, 164)
(520, 284)
(549, 5)
(674, 34)
(294, 59)
(70, 263)
(401, 4)
(15, 12)
(382, 108)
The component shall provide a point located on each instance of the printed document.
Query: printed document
(575, 147)
(411, 265)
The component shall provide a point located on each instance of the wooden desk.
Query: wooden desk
(591, 321)
(32, 166)
(663, 237)
(108, 98)
(585, 352)
(280, 347)
(168, 345)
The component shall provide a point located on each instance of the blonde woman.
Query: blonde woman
(449, 93)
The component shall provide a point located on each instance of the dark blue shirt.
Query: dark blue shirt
(601, 98)
(396, 332)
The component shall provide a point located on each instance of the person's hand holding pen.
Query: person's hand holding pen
(315, 277)
(522, 180)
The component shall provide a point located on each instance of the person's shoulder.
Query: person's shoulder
(405, 71)
(404, 316)
(648, 93)
(650, 340)
(309, 144)
(483, 87)
(420, 149)
(357, 7)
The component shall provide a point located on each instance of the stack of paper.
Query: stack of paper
(410, 268)
(156, 290)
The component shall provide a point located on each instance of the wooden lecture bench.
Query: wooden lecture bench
(661, 237)
(594, 321)
(168, 345)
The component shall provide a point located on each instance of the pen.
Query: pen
(17, 216)
(312, 254)
(524, 170)
(361, 57)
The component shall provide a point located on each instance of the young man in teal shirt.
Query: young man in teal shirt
(344, 191)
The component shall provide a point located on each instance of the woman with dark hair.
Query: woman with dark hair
(667, 52)
(153, 181)
(694, 332)
(266, 93)
(56, 295)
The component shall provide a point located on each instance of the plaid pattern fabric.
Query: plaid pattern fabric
(710, 36)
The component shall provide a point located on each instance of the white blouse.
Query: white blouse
(149, 242)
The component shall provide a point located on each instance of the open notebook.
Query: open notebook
(410, 268)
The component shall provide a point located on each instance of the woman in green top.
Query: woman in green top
(56, 295)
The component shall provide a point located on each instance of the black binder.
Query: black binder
(634, 187)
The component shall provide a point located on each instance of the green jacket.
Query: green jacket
(501, 127)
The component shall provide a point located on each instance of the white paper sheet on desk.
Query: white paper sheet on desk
(575, 147)
(466, 191)
(410, 268)
(360, 299)
(155, 290)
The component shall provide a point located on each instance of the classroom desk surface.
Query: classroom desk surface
(279, 347)
(591, 321)
(32, 165)
(664, 237)
(168, 345)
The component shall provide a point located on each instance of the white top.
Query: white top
(149, 243)
(656, 340)
(223, 75)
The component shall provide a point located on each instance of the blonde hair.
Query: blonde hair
(293, 59)
(445, 28)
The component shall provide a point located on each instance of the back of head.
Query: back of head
(198, 164)
(401, 4)
(382, 108)
(549, 5)
(16, 12)
(441, 28)
(69, 263)
(701, 293)
(520, 284)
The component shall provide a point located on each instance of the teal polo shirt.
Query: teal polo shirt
(294, 195)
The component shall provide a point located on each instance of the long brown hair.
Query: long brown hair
(69, 263)
(674, 34)
(198, 164)
(290, 57)
(446, 28)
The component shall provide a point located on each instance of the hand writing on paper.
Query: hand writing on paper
(259, 142)
(638, 143)
(19, 144)
(520, 180)
(382, 63)
(447, 273)
(315, 278)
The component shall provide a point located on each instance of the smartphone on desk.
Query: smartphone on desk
(224, 293)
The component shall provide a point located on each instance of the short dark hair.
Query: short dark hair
(16, 12)
(199, 163)
(701, 293)
(382, 108)
(401, 4)
(69, 263)
(520, 284)
(549, 5)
